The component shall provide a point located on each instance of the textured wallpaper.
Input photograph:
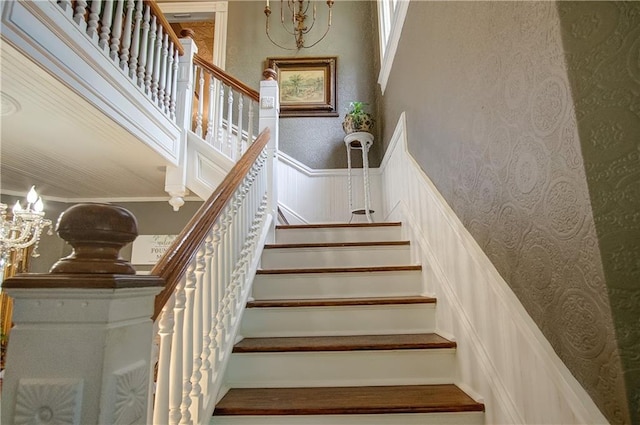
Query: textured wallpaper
(602, 44)
(492, 122)
(316, 142)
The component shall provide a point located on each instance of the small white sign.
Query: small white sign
(147, 249)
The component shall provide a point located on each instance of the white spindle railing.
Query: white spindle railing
(136, 37)
(223, 111)
(197, 325)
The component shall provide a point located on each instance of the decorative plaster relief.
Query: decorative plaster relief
(131, 385)
(48, 401)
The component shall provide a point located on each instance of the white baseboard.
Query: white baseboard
(504, 358)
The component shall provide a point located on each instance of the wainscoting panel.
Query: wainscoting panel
(504, 358)
(322, 196)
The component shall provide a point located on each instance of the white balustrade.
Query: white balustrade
(208, 305)
(129, 33)
(223, 115)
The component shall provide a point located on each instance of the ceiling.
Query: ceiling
(54, 139)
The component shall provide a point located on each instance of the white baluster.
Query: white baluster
(223, 275)
(165, 332)
(156, 65)
(174, 85)
(200, 102)
(135, 40)
(163, 70)
(126, 37)
(230, 149)
(239, 148)
(105, 30)
(220, 115)
(196, 375)
(116, 30)
(150, 52)
(144, 43)
(176, 375)
(250, 135)
(187, 345)
(208, 283)
(78, 17)
(169, 79)
(94, 17)
(231, 261)
(216, 297)
(210, 134)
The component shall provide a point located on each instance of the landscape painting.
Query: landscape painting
(307, 86)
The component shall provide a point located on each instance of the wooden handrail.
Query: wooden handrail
(222, 75)
(173, 265)
(155, 11)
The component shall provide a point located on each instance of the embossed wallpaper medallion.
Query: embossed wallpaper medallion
(535, 147)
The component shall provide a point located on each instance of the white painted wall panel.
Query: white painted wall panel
(502, 354)
(321, 196)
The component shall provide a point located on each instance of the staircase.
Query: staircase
(338, 332)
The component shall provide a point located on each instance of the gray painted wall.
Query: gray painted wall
(316, 142)
(492, 122)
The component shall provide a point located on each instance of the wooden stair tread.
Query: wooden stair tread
(347, 400)
(341, 270)
(337, 225)
(340, 302)
(334, 244)
(343, 343)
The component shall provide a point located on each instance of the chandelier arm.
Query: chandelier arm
(323, 35)
(272, 40)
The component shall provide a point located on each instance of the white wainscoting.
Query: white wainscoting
(503, 356)
(321, 196)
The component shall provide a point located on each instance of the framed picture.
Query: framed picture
(307, 86)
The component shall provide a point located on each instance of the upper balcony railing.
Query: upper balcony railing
(138, 39)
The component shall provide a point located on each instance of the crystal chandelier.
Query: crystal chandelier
(298, 14)
(22, 229)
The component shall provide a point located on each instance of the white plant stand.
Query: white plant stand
(362, 141)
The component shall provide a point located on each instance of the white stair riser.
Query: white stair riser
(458, 418)
(368, 256)
(338, 320)
(337, 285)
(342, 368)
(324, 235)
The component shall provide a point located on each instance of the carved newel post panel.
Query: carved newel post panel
(80, 348)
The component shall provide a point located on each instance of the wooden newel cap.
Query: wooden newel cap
(270, 74)
(187, 33)
(96, 232)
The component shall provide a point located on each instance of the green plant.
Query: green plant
(356, 118)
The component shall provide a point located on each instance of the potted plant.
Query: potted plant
(356, 119)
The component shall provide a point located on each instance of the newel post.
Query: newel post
(269, 117)
(80, 348)
(176, 178)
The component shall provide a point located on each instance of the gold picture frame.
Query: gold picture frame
(307, 86)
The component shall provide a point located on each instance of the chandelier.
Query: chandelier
(296, 27)
(22, 229)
